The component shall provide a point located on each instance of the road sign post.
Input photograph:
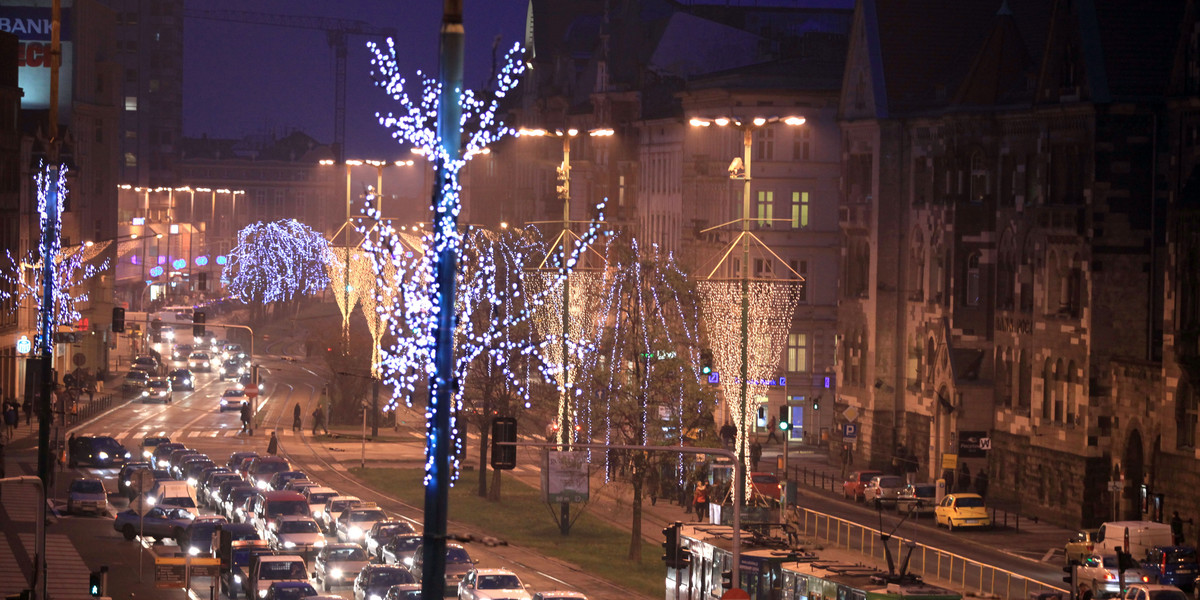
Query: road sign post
(142, 481)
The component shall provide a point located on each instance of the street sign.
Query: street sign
(1114, 485)
(24, 345)
(714, 378)
(141, 480)
(851, 413)
(850, 431)
(141, 505)
(735, 594)
(169, 572)
(985, 444)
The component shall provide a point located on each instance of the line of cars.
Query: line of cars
(262, 507)
(953, 510)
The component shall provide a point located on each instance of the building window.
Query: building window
(801, 144)
(764, 267)
(800, 267)
(797, 354)
(979, 177)
(799, 210)
(766, 208)
(130, 159)
(973, 280)
(130, 102)
(1186, 410)
(765, 145)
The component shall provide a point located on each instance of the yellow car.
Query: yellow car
(962, 510)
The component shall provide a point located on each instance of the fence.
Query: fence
(83, 410)
(927, 561)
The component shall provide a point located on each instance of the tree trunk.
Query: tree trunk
(494, 491)
(635, 542)
(484, 434)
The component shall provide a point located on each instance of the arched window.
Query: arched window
(862, 357)
(1051, 282)
(1048, 390)
(979, 177)
(973, 281)
(1186, 406)
(930, 358)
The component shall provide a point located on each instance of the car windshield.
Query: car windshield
(406, 543)
(281, 570)
(342, 505)
(281, 508)
(391, 577)
(764, 478)
(136, 375)
(1181, 556)
(199, 356)
(1168, 595)
(389, 529)
(355, 553)
(294, 592)
(179, 501)
(272, 467)
(87, 486)
(367, 515)
(159, 384)
(924, 491)
(969, 502)
(234, 393)
(320, 497)
(107, 444)
(499, 582)
(299, 527)
(457, 555)
(890, 482)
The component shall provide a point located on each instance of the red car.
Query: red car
(767, 485)
(853, 487)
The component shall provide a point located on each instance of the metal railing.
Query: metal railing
(927, 561)
(85, 409)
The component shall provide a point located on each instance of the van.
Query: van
(1137, 538)
(177, 494)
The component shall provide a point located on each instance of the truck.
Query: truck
(235, 558)
(266, 569)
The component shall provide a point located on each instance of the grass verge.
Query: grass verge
(523, 519)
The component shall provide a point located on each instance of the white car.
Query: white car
(1100, 572)
(157, 389)
(492, 584)
(296, 534)
(353, 524)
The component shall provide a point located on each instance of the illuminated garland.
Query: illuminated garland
(277, 261)
(772, 306)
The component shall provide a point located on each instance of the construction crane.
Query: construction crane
(336, 31)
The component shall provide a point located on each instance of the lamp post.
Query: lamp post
(565, 428)
(747, 129)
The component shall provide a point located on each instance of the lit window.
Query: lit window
(766, 208)
(130, 159)
(797, 354)
(130, 102)
(799, 210)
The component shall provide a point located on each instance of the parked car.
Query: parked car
(374, 581)
(232, 399)
(159, 523)
(200, 361)
(1144, 591)
(182, 379)
(87, 495)
(853, 487)
(920, 498)
(338, 563)
(886, 488)
(1100, 572)
(1173, 565)
(492, 584)
(962, 510)
(158, 389)
(458, 564)
(96, 451)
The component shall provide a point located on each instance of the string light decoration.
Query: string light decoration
(772, 305)
(277, 261)
(23, 277)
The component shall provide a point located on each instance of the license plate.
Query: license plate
(971, 521)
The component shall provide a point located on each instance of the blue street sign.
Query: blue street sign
(24, 345)
(714, 378)
(851, 431)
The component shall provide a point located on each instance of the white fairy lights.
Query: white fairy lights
(277, 261)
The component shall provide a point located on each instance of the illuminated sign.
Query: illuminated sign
(139, 220)
(156, 272)
(201, 261)
(777, 381)
(174, 228)
(179, 264)
(24, 345)
(29, 20)
(221, 260)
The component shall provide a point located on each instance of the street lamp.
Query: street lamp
(742, 171)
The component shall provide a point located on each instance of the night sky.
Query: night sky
(242, 79)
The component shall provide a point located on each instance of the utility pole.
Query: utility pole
(565, 430)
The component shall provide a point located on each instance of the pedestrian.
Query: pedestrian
(685, 496)
(700, 500)
(28, 406)
(273, 445)
(728, 435)
(1085, 592)
(772, 427)
(964, 478)
(948, 477)
(11, 418)
(246, 418)
(652, 483)
(981, 483)
(755, 454)
(1177, 528)
(296, 425)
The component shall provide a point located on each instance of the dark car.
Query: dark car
(1173, 565)
(197, 537)
(123, 481)
(920, 498)
(458, 563)
(263, 468)
(373, 581)
(382, 532)
(162, 454)
(280, 479)
(150, 443)
(159, 522)
(232, 369)
(182, 379)
(235, 459)
(209, 493)
(181, 352)
(289, 590)
(97, 451)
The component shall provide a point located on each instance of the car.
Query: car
(161, 457)
(299, 485)
(231, 368)
(147, 363)
(87, 495)
(124, 483)
(854, 485)
(180, 457)
(334, 507)
(197, 537)
(374, 581)
(263, 468)
(357, 521)
(182, 379)
(290, 590)
(247, 379)
(181, 352)
(1173, 565)
(404, 591)
(200, 361)
(160, 522)
(96, 451)
(235, 503)
(167, 332)
(157, 389)
(338, 563)
(399, 551)
(1143, 591)
(233, 351)
(920, 498)
(767, 485)
(317, 497)
(135, 380)
(1101, 573)
(295, 534)
(492, 584)
(150, 442)
(192, 470)
(210, 491)
(382, 532)
(559, 595)
(232, 399)
(962, 510)
(235, 460)
(1081, 545)
(885, 488)
(280, 479)
(458, 564)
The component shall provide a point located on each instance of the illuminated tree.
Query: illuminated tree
(276, 262)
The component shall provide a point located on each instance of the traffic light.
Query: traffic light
(785, 422)
(1069, 578)
(118, 322)
(198, 324)
(156, 331)
(1125, 561)
(727, 580)
(816, 404)
(671, 544)
(96, 582)
(706, 360)
(504, 456)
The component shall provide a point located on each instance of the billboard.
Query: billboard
(30, 21)
(564, 477)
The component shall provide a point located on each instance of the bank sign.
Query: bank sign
(30, 20)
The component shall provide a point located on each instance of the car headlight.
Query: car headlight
(224, 402)
(376, 597)
(237, 579)
(317, 514)
(355, 532)
(147, 453)
(102, 456)
(206, 364)
(150, 500)
(192, 481)
(262, 593)
(262, 484)
(194, 551)
(128, 483)
(289, 544)
(319, 544)
(145, 393)
(335, 573)
(187, 382)
(408, 561)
